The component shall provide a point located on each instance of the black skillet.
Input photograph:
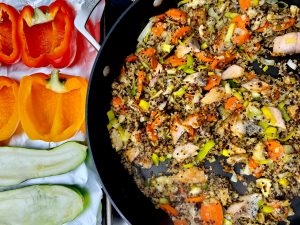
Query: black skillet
(132, 205)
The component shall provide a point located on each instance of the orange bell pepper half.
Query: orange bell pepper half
(9, 44)
(47, 35)
(52, 108)
(212, 212)
(9, 118)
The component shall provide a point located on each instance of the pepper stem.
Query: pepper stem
(55, 84)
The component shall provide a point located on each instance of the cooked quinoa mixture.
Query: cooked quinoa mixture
(189, 97)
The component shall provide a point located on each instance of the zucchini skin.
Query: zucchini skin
(40, 205)
(20, 164)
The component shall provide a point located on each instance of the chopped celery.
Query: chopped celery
(110, 115)
(163, 201)
(204, 45)
(268, 114)
(155, 159)
(263, 124)
(253, 112)
(229, 33)
(182, 2)
(285, 115)
(267, 209)
(189, 60)
(225, 153)
(288, 137)
(271, 133)
(144, 105)
(245, 104)
(125, 135)
(205, 149)
(238, 95)
(231, 15)
(180, 92)
(188, 166)
(134, 88)
(201, 67)
(166, 47)
(283, 182)
(189, 71)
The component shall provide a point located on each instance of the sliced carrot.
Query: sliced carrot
(131, 58)
(194, 199)
(213, 81)
(232, 103)
(175, 61)
(244, 4)
(212, 213)
(157, 29)
(140, 83)
(275, 149)
(148, 52)
(181, 32)
(180, 222)
(203, 58)
(169, 209)
(177, 15)
(285, 25)
(153, 62)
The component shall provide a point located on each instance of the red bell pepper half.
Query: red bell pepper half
(47, 35)
(9, 45)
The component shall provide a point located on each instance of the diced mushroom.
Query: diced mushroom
(144, 162)
(183, 152)
(214, 95)
(265, 185)
(292, 110)
(287, 44)
(190, 176)
(177, 129)
(240, 158)
(247, 208)
(132, 153)
(256, 85)
(233, 72)
(193, 121)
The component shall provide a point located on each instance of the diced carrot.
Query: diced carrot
(154, 62)
(285, 25)
(275, 149)
(252, 164)
(244, 4)
(160, 17)
(131, 58)
(123, 71)
(250, 76)
(148, 52)
(203, 58)
(140, 81)
(181, 32)
(213, 81)
(175, 61)
(211, 118)
(169, 209)
(232, 103)
(194, 199)
(242, 21)
(241, 38)
(214, 64)
(157, 29)
(212, 213)
(150, 130)
(117, 102)
(177, 15)
(263, 28)
(180, 222)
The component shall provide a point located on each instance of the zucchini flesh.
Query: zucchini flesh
(40, 205)
(20, 164)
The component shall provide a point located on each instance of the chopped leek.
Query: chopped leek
(285, 115)
(255, 2)
(268, 114)
(271, 133)
(263, 124)
(157, 94)
(288, 137)
(225, 153)
(245, 104)
(189, 60)
(253, 112)
(189, 71)
(265, 161)
(188, 166)
(205, 149)
(134, 88)
(266, 67)
(162, 158)
(238, 95)
(155, 159)
(163, 201)
(229, 33)
(144, 105)
(204, 46)
(180, 92)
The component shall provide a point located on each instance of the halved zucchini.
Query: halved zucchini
(40, 205)
(20, 164)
